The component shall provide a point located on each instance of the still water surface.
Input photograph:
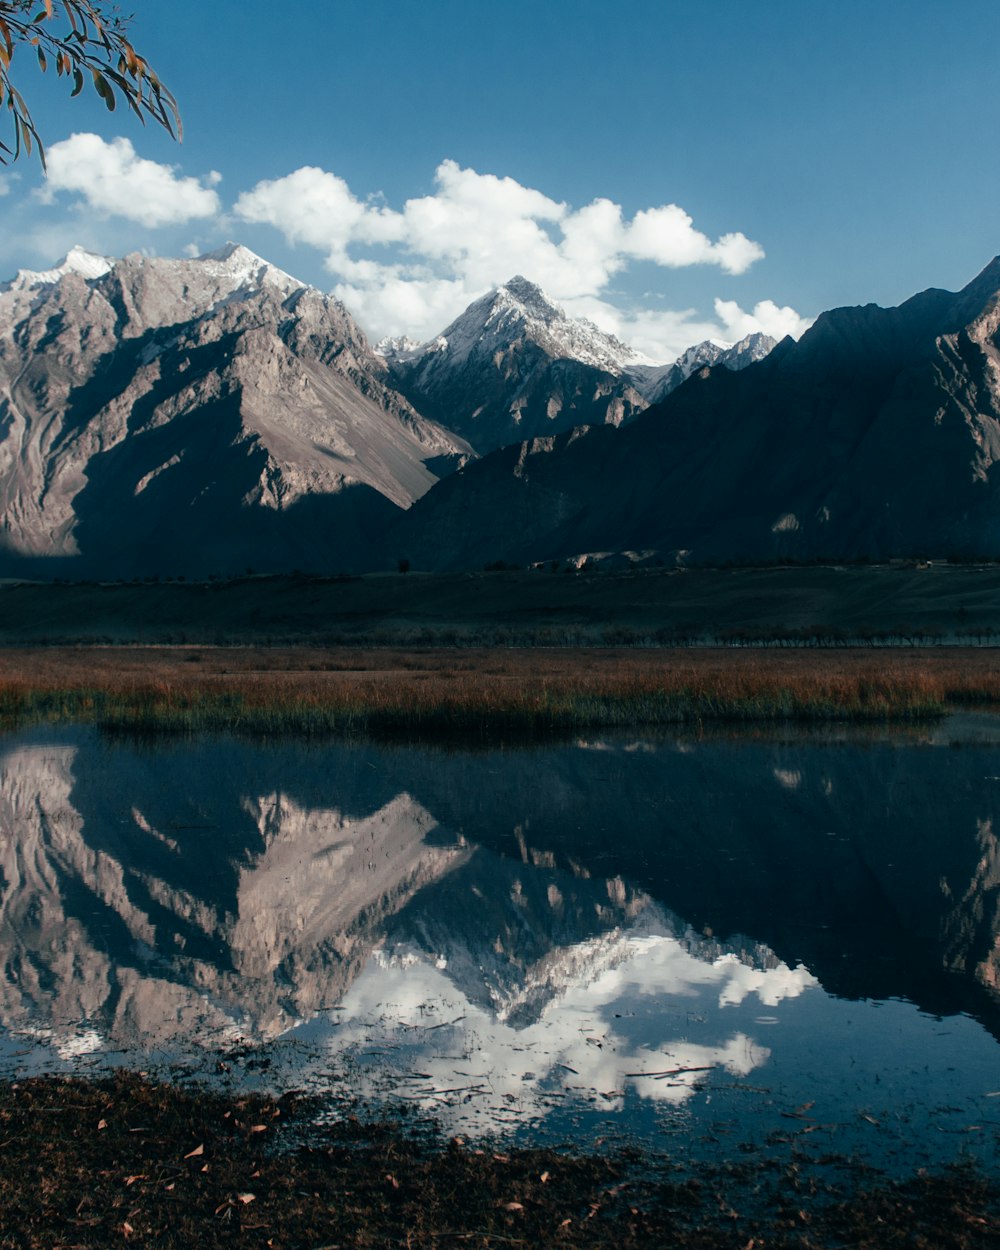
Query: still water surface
(707, 945)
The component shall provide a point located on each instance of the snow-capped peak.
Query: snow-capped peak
(77, 260)
(528, 298)
(657, 382)
(397, 347)
(520, 310)
(244, 268)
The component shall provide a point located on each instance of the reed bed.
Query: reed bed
(438, 693)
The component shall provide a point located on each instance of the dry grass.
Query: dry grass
(482, 692)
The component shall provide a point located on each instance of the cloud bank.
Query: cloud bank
(412, 270)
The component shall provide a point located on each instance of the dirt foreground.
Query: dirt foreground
(124, 1161)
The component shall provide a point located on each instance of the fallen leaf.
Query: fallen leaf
(258, 1128)
(198, 1150)
(544, 1177)
(513, 1206)
(127, 1229)
(246, 1199)
(131, 1180)
(101, 1124)
(565, 1223)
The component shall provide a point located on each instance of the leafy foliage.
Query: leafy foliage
(83, 41)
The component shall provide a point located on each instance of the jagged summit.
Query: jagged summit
(517, 311)
(197, 415)
(77, 260)
(247, 268)
(513, 365)
(232, 267)
(525, 299)
(656, 382)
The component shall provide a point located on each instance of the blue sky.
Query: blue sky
(844, 150)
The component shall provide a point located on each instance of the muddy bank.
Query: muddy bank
(125, 1161)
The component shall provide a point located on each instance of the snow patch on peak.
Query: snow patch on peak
(657, 382)
(519, 311)
(527, 297)
(77, 260)
(398, 347)
(246, 268)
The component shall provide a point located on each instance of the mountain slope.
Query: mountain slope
(514, 366)
(874, 436)
(196, 416)
(656, 382)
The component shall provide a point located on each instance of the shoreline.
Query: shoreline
(124, 1160)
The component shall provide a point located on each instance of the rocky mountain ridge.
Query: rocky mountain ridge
(216, 415)
(196, 416)
(515, 366)
(874, 436)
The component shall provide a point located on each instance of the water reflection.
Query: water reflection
(608, 925)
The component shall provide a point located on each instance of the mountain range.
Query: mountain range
(189, 417)
(872, 437)
(513, 366)
(197, 416)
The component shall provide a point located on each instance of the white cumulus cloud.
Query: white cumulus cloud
(114, 181)
(413, 269)
(766, 318)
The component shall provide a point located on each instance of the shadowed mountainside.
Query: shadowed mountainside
(874, 436)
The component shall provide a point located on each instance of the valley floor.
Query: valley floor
(818, 605)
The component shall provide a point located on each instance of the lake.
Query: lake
(709, 945)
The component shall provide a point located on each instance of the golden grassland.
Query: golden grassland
(446, 691)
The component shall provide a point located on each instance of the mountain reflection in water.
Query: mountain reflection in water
(606, 921)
